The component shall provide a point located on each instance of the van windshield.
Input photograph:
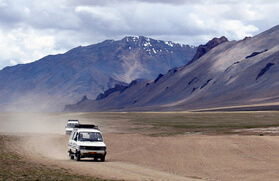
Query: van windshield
(90, 136)
(70, 125)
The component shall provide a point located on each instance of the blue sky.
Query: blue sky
(32, 29)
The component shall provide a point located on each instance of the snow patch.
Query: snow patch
(147, 44)
(169, 43)
(154, 51)
(148, 50)
(135, 38)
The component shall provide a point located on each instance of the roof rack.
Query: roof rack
(75, 120)
(88, 126)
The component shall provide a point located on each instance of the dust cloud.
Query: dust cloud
(36, 102)
(34, 122)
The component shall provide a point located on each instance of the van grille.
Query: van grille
(93, 148)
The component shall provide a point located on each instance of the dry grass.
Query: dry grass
(171, 123)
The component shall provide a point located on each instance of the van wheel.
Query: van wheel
(103, 158)
(78, 155)
(71, 155)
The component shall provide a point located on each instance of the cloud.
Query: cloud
(110, 2)
(24, 45)
(12, 14)
(30, 30)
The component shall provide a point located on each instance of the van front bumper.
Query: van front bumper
(92, 153)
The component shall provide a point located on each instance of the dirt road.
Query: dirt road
(135, 156)
(52, 150)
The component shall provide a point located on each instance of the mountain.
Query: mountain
(232, 73)
(55, 80)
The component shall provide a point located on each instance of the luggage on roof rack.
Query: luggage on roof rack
(73, 120)
(88, 126)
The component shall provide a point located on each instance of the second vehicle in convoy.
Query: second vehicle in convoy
(70, 125)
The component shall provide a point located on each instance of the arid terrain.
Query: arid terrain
(145, 146)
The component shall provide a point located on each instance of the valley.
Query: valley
(148, 146)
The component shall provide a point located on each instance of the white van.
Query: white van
(70, 125)
(86, 141)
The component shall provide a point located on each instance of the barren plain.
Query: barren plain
(145, 146)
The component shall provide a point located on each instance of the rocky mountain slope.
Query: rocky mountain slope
(53, 81)
(203, 49)
(231, 74)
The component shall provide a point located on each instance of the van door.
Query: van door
(72, 141)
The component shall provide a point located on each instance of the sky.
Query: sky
(32, 29)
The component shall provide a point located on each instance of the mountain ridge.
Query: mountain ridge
(224, 76)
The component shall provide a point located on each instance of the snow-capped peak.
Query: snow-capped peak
(169, 43)
(132, 38)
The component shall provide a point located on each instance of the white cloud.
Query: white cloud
(32, 29)
(37, 42)
(25, 45)
(236, 30)
(13, 62)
